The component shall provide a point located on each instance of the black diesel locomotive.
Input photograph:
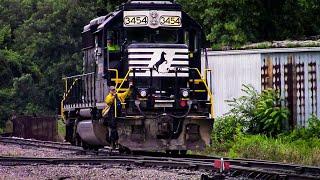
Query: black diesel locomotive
(155, 46)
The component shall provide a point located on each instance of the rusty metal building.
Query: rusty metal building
(40, 128)
(295, 72)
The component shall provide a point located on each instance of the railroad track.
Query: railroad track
(250, 168)
(52, 145)
(166, 162)
(252, 163)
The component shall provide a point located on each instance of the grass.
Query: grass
(61, 129)
(280, 149)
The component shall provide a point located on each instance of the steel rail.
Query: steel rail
(195, 161)
(299, 169)
(145, 162)
(32, 140)
(52, 145)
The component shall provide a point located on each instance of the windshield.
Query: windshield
(166, 36)
(146, 35)
(138, 35)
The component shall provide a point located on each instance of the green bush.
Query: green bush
(260, 113)
(269, 117)
(225, 129)
(243, 108)
(311, 131)
(314, 126)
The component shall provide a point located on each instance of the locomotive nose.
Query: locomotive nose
(145, 56)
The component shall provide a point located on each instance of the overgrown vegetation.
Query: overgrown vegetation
(300, 151)
(61, 129)
(40, 42)
(253, 113)
(257, 127)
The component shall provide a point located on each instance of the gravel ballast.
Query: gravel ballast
(93, 172)
(80, 171)
(30, 151)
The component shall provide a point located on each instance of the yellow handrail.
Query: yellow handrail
(208, 90)
(65, 96)
(117, 89)
(124, 79)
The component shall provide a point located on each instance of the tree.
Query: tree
(233, 23)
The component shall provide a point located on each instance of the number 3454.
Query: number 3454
(132, 20)
(170, 20)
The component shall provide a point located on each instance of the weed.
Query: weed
(61, 128)
(260, 113)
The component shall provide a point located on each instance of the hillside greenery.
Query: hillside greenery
(40, 40)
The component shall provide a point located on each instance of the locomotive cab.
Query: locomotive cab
(155, 46)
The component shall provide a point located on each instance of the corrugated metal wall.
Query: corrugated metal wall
(296, 76)
(294, 72)
(229, 73)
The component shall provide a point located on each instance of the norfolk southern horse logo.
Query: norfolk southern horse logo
(160, 62)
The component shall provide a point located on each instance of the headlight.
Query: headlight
(143, 93)
(185, 93)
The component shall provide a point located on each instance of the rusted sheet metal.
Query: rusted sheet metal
(299, 79)
(41, 128)
(290, 88)
(312, 83)
(294, 72)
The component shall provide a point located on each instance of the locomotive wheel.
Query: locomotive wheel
(124, 150)
(77, 140)
(84, 145)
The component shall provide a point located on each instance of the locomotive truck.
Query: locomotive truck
(156, 47)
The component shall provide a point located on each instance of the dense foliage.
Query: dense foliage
(232, 23)
(298, 146)
(256, 128)
(39, 44)
(252, 113)
(40, 39)
(260, 113)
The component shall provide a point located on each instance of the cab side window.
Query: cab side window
(112, 41)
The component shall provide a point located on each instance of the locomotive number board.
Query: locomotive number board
(153, 18)
(135, 20)
(170, 20)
